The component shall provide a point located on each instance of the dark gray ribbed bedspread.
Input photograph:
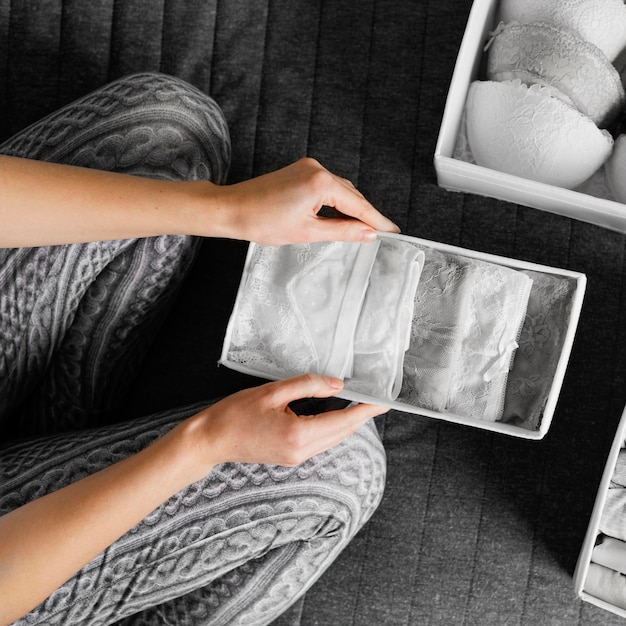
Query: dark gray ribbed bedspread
(475, 528)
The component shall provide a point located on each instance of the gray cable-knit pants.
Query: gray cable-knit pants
(239, 546)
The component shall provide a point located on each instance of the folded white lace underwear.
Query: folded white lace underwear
(384, 326)
(540, 344)
(468, 317)
(336, 308)
(394, 319)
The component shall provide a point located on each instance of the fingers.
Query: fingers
(257, 425)
(341, 194)
(316, 386)
(340, 229)
(304, 386)
(327, 428)
(331, 428)
(344, 197)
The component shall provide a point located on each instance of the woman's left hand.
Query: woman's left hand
(283, 207)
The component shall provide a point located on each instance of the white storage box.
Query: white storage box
(458, 175)
(583, 583)
(550, 329)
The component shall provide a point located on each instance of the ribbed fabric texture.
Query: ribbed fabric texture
(474, 528)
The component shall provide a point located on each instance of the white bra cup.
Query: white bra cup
(544, 54)
(526, 131)
(601, 22)
(615, 170)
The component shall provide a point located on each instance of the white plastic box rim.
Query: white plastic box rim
(456, 175)
(501, 427)
(584, 559)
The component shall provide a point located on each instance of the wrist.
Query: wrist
(206, 210)
(188, 454)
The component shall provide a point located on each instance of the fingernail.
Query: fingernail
(368, 235)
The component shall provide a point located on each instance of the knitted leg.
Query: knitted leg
(75, 320)
(237, 547)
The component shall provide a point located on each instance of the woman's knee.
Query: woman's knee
(360, 468)
(146, 124)
(171, 122)
(341, 487)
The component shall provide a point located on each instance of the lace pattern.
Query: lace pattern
(601, 22)
(299, 307)
(435, 330)
(468, 316)
(540, 344)
(542, 53)
(295, 301)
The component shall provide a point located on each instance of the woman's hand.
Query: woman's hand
(282, 207)
(257, 426)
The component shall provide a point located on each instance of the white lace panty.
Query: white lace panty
(468, 316)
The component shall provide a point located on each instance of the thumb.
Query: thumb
(306, 386)
(341, 229)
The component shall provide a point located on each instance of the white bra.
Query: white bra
(390, 318)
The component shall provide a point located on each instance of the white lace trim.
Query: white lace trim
(298, 309)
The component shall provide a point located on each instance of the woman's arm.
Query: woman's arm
(46, 203)
(45, 542)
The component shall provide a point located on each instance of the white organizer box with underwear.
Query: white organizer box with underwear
(418, 326)
(600, 576)
(456, 174)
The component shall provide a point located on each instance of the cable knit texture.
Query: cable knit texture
(241, 545)
(238, 547)
(75, 320)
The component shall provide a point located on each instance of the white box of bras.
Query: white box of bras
(418, 326)
(600, 576)
(535, 108)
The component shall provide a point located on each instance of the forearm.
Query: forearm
(43, 543)
(45, 204)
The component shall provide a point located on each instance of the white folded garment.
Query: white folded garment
(468, 316)
(606, 584)
(299, 306)
(611, 553)
(384, 327)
